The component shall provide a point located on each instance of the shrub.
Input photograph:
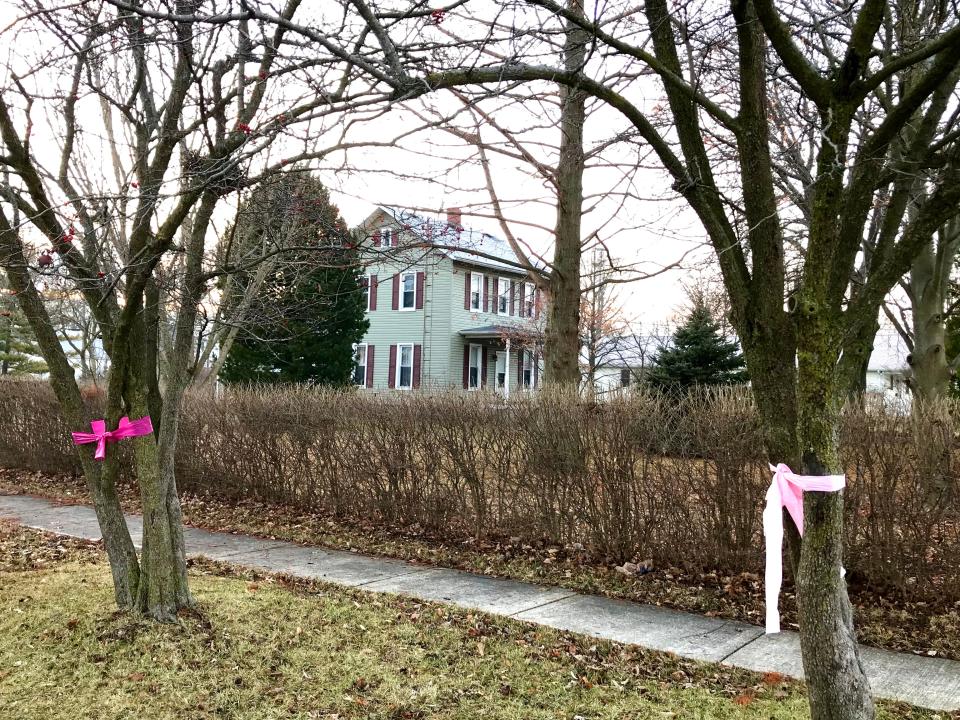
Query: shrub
(634, 478)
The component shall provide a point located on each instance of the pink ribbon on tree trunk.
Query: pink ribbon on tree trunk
(786, 491)
(101, 436)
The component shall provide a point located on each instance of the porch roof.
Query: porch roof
(495, 332)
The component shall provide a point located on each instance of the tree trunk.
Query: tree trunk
(838, 687)
(928, 362)
(562, 336)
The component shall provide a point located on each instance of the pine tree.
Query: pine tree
(698, 354)
(19, 352)
(308, 311)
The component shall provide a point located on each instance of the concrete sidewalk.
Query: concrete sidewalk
(927, 682)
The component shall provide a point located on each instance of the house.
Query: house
(448, 307)
(620, 362)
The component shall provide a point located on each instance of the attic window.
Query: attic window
(387, 237)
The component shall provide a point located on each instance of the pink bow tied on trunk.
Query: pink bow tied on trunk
(101, 436)
(786, 491)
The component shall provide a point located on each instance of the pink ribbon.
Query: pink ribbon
(786, 491)
(101, 436)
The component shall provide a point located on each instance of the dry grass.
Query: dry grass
(262, 647)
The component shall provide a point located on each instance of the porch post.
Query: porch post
(506, 382)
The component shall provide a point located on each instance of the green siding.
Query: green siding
(436, 327)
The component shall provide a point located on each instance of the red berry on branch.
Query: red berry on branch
(244, 128)
(263, 75)
(134, 185)
(101, 275)
(45, 260)
(437, 16)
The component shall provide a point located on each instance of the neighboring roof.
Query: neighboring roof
(461, 245)
(630, 351)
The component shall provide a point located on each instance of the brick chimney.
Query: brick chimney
(454, 218)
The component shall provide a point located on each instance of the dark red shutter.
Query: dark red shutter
(376, 238)
(536, 368)
(520, 368)
(396, 292)
(483, 367)
(417, 352)
(467, 280)
(523, 291)
(496, 295)
(373, 292)
(420, 282)
(392, 369)
(466, 367)
(536, 303)
(513, 298)
(370, 356)
(486, 293)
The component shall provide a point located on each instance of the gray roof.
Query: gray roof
(459, 244)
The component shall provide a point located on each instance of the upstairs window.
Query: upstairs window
(476, 291)
(529, 300)
(408, 291)
(503, 297)
(387, 237)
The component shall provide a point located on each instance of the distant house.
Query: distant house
(623, 362)
(448, 307)
(888, 372)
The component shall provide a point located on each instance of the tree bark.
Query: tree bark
(838, 687)
(562, 334)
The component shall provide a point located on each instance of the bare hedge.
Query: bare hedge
(634, 478)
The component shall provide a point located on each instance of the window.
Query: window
(625, 377)
(360, 364)
(476, 291)
(404, 367)
(503, 297)
(366, 284)
(408, 291)
(526, 378)
(529, 300)
(386, 237)
(473, 378)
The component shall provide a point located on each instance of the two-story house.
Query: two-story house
(448, 307)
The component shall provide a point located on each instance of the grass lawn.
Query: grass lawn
(262, 647)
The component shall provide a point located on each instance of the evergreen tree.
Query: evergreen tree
(307, 308)
(698, 354)
(19, 352)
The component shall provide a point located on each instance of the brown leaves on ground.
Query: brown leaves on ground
(882, 621)
(23, 549)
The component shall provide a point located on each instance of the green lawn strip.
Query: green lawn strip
(889, 623)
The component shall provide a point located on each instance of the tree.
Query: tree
(308, 312)
(698, 354)
(19, 352)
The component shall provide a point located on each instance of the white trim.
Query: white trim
(356, 365)
(479, 307)
(370, 291)
(479, 366)
(388, 234)
(527, 368)
(503, 295)
(400, 299)
(396, 379)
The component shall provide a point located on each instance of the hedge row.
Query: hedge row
(636, 477)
